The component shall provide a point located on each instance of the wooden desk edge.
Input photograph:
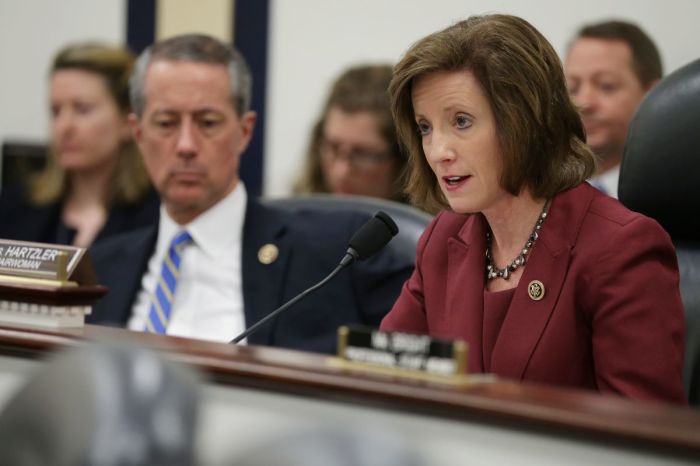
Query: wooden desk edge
(641, 424)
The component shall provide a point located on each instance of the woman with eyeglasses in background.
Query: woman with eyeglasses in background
(353, 147)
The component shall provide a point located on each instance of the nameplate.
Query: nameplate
(38, 260)
(402, 351)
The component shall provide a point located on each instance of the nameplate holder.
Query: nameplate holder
(402, 354)
(46, 285)
(25, 262)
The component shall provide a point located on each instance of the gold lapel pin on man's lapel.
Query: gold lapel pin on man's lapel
(535, 289)
(268, 253)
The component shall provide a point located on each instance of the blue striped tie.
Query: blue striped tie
(162, 298)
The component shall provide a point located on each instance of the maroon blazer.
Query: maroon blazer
(611, 317)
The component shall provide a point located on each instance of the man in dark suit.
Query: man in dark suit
(219, 261)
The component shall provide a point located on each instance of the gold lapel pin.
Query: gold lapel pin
(268, 253)
(536, 290)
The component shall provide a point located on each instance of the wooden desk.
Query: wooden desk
(252, 394)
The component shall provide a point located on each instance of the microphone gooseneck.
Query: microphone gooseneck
(367, 241)
(288, 304)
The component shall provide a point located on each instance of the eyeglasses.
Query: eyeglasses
(359, 157)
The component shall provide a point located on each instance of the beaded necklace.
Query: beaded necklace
(492, 271)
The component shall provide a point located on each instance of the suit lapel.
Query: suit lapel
(548, 263)
(465, 288)
(142, 248)
(526, 318)
(122, 269)
(263, 282)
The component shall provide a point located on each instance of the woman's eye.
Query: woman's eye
(608, 87)
(82, 108)
(462, 121)
(423, 128)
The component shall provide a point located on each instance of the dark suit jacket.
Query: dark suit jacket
(310, 246)
(611, 317)
(23, 221)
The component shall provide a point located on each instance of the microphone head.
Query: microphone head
(373, 235)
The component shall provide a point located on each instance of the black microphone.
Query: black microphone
(367, 241)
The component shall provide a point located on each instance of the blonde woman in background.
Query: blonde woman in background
(353, 147)
(94, 183)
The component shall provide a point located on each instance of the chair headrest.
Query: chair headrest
(410, 220)
(660, 173)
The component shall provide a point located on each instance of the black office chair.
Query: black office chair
(102, 406)
(19, 160)
(660, 177)
(411, 221)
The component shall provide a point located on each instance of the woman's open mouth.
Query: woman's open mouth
(455, 182)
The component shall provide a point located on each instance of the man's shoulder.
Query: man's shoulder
(319, 236)
(309, 222)
(134, 242)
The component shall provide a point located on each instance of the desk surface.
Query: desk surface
(656, 427)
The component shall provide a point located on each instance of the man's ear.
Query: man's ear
(247, 126)
(135, 128)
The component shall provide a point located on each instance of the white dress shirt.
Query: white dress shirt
(208, 301)
(608, 181)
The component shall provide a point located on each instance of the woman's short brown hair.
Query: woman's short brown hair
(539, 129)
(129, 182)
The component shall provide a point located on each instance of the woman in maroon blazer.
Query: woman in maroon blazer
(547, 279)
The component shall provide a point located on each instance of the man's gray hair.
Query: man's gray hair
(197, 48)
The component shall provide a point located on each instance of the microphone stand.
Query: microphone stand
(349, 258)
